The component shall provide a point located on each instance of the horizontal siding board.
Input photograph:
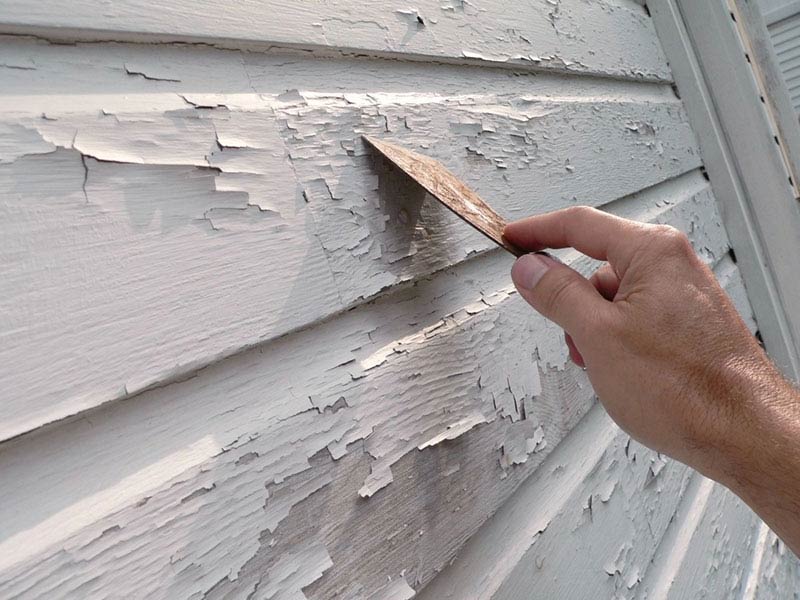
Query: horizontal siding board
(598, 511)
(610, 38)
(156, 186)
(708, 551)
(191, 482)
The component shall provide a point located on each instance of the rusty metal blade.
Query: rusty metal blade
(447, 189)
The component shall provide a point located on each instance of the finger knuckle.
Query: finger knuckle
(673, 240)
(580, 211)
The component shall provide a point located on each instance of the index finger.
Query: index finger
(590, 231)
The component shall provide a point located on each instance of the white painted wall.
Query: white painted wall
(243, 358)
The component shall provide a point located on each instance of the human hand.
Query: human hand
(667, 353)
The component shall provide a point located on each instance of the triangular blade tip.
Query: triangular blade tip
(379, 145)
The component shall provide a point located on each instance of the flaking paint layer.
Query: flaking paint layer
(336, 422)
(248, 169)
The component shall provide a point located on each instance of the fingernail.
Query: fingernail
(550, 256)
(528, 270)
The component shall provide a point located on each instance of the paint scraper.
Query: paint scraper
(447, 189)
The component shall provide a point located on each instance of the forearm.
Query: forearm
(760, 460)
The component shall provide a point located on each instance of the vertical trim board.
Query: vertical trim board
(770, 82)
(760, 217)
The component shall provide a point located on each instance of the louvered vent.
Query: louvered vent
(786, 39)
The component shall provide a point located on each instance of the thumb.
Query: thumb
(559, 293)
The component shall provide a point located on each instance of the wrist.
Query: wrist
(756, 455)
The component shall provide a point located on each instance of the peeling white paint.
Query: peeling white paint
(609, 37)
(166, 174)
(284, 406)
(330, 382)
(17, 140)
(292, 573)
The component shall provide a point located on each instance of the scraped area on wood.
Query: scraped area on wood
(243, 357)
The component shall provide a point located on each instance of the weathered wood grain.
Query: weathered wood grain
(608, 37)
(151, 192)
(420, 411)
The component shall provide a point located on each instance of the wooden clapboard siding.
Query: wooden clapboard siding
(242, 358)
(711, 546)
(773, 571)
(170, 204)
(178, 474)
(611, 38)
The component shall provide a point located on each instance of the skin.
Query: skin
(668, 355)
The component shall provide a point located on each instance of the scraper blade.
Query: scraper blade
(447, 189)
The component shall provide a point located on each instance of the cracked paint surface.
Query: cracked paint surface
(214, 179)
(355, 413)
(608, 510)
(330, 383)
(609, 37)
